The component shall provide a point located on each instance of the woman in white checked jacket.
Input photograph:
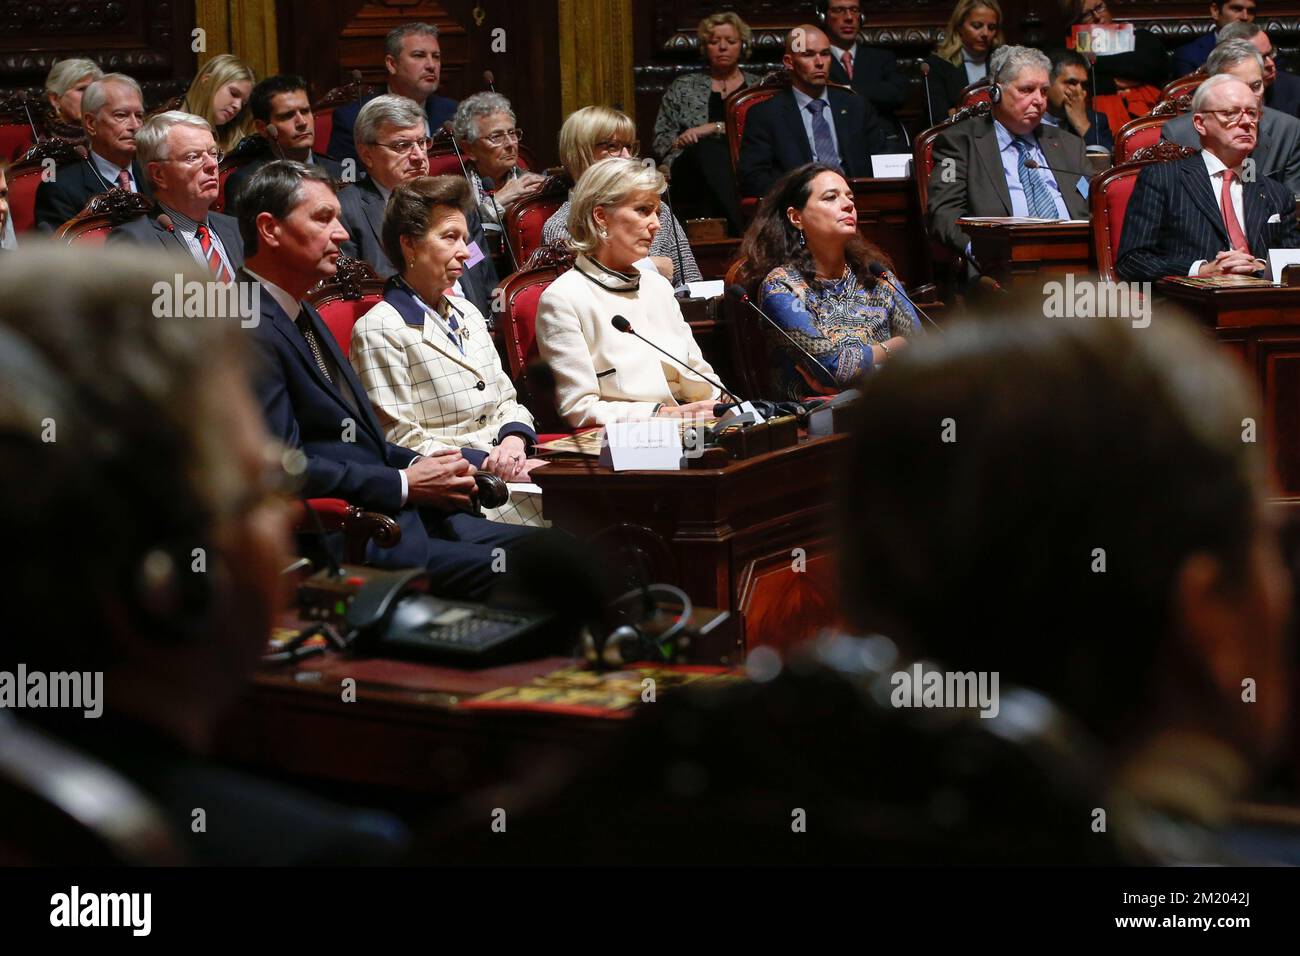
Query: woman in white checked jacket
(426, 358)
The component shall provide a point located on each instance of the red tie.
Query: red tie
(1235, 235)
(210, 253)
(847, 60)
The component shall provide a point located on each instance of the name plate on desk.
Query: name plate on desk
(1279, 259)
(891, 166)
(654, 444)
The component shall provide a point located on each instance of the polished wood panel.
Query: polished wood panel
(1017, 255)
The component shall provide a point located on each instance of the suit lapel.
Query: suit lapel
(1254, 203)
(374, 205)
(986, 153)
(1197, 181)
(1050, 142)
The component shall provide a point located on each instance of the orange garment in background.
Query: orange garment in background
(1126, 105)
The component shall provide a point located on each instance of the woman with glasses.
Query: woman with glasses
(1127, 84)
(485, 126)
(973, 32)
(220, 95)
(598, 132)
(690, 130)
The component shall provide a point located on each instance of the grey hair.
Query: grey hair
(96, 95)
(393, 42)
(151, 138)
(389, 108)
(1238, 30)
(276, 188)
(1229, 53)
(1209, 86)
(474, 107)
(65, 74)
(1007, 62)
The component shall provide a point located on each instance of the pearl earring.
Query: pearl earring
(604, 235)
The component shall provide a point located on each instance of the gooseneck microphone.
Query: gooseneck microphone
(490, 80)
(925, 78)
(880, 272)
(738, 290)
(1035, 164)
(514, 263)
(623, 325)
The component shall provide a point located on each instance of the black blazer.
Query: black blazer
(363, 217)
(946, 83)
(1173, 219)
(877, 77)
(148, 231)
(438, 109)
(62, 197)
(775, 141)
(1284, 94)
(238, 179)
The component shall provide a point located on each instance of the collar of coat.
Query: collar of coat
(607, 278)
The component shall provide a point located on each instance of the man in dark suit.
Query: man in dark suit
(282, 116)
(1208, 214)
(413, 59)
(872, 72)
(164, 463)
(1067, 101)
(809, 122)
(1277, 140)
(313, 399)
(1009, 163)
(179, 155)
(1190, 57)
(385, 124)
(112, 109)
(1281, 87)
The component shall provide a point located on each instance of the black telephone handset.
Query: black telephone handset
(376, 600)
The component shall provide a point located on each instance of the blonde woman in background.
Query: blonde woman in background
(973, 32)
(220, 95)
(64, 85)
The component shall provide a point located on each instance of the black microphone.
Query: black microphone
(623, 325)
(679, 269)
(1035, 164)
(925, 78)
(880, 272)
(489, 79)
(738, 290)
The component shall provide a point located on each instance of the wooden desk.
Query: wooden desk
(1018, 254)
(1261, 326)
(752, 538)
(888, 217)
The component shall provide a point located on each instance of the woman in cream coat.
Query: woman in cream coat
(603, 375)
(426, 358)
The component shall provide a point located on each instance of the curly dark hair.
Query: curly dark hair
(771, 240)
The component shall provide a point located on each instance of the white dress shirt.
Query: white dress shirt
(1215, 167)
(108, 171)
(802, 100)
(976, 70)
(1011, 168)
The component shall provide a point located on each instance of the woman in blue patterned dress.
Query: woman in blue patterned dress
(814, 280)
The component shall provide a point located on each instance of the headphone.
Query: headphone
(628, 643)
(160, 586)
(824, 5)
(995, 92)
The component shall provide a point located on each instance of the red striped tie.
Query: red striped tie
(210, 253)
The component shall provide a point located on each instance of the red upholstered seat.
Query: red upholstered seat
(24, 178)
(980, 92)
(1183, 85)
(737, 108)
(1108, 200)
(526, 218)
(15, 139)
(444, 164)
(354, 291)
(323, 109)
(520, 295)
(324, 122)
(1138, 134)
(220, 204)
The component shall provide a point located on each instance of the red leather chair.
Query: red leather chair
(978, 92)
(25, 176)
(1183, 85)
(1145, 130)
(101, 215)
(1108, 198)
(354, 290)
(737, 107)
(323, 109)
(526, 218)
(15, 140)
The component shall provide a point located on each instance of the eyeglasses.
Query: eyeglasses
(195, 157)
(1088, 16)
(615, 146)
(407, 145)
(1237, 116)
(499, 138)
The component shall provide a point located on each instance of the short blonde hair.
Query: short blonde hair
(584, 129)
(607, 183)
(729, 19)
(65, 74)
(216, 73)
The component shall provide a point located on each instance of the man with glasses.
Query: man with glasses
(1281, 87)
(1208, 214)
(871, 71)
(181, 159)
(1190, 57)
(394, 149)
(1277, 152)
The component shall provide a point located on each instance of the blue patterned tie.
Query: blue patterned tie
(823, 144)
(1037, 195)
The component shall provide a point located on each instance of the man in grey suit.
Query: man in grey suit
(1202, 215)
(393, 147)
(178, 154)
(1277, 152)
(1008, 163)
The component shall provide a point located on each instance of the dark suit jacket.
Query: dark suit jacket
(148, 231)
(1277, 149)
(1190, 57)
(237, 180)
(975, 184)
(62, 197)
(1173, 219)
(439, 109)
(1284, 94)
(946, 83)
(363, 217)
(775, 140)
(877, 77)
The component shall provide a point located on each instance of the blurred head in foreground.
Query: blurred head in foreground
(1080, 506)
(143, 539)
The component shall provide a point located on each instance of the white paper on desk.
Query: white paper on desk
(892, 166)
(646, 265)
(708, 289)
(1279, 259)
(1006, 220)
(652, 444)
(523, 488)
